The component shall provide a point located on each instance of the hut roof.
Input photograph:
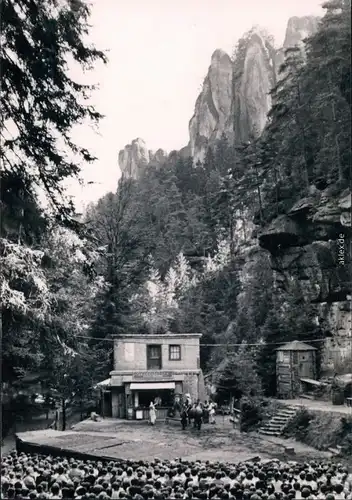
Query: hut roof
(296, 345)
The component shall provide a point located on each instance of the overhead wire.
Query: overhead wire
(218, 344)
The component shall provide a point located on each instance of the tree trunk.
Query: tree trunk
(260, 201)
(336, 139)
(103, 403)
(63, 414)
(276, 190)
(304, 141)
(258, 186)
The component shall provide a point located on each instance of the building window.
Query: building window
(174, 352)
(153, 357)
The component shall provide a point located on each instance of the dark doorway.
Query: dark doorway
(106, 408)
(146, 396)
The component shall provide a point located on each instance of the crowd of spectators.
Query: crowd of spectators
(25, 476)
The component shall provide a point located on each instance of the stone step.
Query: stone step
(274, 425)
(286, 412)
(269, 433)
(284, 417)
(307, 396)
(278, 424)
(277, 418)
(276, 421)
(272, 428)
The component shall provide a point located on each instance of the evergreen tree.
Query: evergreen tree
(119, 223)
(40, 102)
(236, 375)
(328, 65)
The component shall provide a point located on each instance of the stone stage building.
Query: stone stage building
(153, 368)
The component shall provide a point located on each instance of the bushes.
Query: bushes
(299, 425)
(322, 430)
(346, 435)
(251, 413)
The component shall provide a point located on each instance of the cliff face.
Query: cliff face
(308, 250)
(299, 28)
(135, 157)
(254, 77)
(213, 107)
(235, 97)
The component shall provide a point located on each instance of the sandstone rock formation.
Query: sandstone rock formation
(308, 249)
(213, 108)
(135, 157)
(254, 77)
(235, 97)
(299, 28)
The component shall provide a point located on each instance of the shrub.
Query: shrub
(251, 410)
(299, 425)
(322, 430)
(345, 435)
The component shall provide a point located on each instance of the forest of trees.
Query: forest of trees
(167, 252)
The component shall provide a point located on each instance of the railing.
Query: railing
(143, 413)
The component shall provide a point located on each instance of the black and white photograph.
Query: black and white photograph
(175, 249)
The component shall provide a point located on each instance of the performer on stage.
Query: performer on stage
(152, 413)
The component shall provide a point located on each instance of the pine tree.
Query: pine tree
(328, 65)
(273, 334)
(40, 102)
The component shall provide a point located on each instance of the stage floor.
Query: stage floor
(112, 439)
(121, 440)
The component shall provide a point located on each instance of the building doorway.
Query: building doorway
(106, 406)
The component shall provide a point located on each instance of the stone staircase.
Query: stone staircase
(276, 425)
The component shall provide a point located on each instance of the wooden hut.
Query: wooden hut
(295, 363)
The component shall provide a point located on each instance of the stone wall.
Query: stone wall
(190, 385)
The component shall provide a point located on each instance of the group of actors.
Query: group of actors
(197, 412)
(27, 477)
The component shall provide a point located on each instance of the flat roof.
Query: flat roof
(156, 336)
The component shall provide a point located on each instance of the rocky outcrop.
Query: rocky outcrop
(235, 96)
(212, 116)
(299, 28)
(234, 100)
(158, 157)
(254, 77)
(135, 157)
(309, 250)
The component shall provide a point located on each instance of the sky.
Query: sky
(159, 52)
